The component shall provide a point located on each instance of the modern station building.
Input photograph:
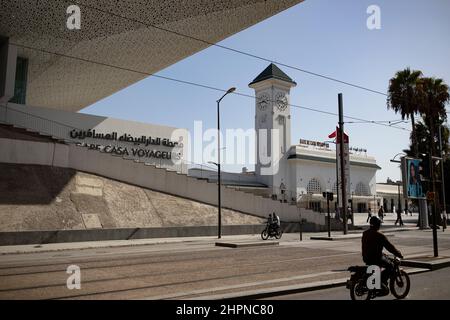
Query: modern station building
(49, 72)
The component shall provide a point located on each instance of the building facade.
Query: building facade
(302, 172)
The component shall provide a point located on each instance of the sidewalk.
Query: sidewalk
(388, 227)
(37, 248)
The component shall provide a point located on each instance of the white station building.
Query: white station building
(298, 173)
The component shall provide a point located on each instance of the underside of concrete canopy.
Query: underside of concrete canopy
(125, 34)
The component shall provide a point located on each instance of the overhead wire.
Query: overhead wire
(197, 84)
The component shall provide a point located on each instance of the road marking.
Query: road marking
(238, 286)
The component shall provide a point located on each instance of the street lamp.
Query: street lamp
(219, 204)
(398, 182)
(399, 204)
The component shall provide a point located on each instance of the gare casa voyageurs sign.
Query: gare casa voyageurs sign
(123, 151)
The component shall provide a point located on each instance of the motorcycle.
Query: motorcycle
(399, 283)
(271, 232)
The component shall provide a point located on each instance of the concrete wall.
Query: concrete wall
(60, 124)
(43, 237)
(31, 152)
(79, 158)
(211, 174)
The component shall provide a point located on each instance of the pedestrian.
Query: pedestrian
(381, 214)
(350, 214)
(399, 217)
(276, 220)
(369, 215)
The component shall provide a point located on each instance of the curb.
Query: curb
(246, 244)
(346, 237)
(285, 290)
(431, 265)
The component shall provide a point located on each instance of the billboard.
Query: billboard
(412, 184)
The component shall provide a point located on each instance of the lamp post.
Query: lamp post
(219, 204)
(442, 173)
(400, 181)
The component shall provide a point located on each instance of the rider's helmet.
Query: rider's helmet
(375, 222)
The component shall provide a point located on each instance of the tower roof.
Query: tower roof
(272, 71)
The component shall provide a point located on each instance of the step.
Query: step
(240, 244)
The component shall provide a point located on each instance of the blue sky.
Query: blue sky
(328, 37)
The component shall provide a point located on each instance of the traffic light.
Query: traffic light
(328, 195)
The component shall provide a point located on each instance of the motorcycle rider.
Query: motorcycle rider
(276, 221)
(273, 221)
(373, 242)
(270, 223)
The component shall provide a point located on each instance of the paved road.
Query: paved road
(434, 285)
(188, 269)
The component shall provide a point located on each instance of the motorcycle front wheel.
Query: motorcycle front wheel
(265, 234)
(400, 285)
(359, 290)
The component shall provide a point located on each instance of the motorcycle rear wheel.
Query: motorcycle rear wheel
(359, 291)
(400, 285)
(265, 234)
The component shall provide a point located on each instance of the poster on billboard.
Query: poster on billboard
(412, 184)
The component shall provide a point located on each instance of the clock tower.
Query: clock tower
(273, 127)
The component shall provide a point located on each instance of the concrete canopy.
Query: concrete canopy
(115, 35)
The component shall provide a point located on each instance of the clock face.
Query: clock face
(282, 102)
(263, 102)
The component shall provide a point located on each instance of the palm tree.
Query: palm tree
(434, 95)
(403, 97)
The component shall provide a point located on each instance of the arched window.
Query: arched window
(314, 186)
(362, 189)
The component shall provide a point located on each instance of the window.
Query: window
(334, 190)
(362, 189)
(315, 206)
(314, 186)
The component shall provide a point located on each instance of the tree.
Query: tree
(423, 135)
(404, 97)
(434, 95)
